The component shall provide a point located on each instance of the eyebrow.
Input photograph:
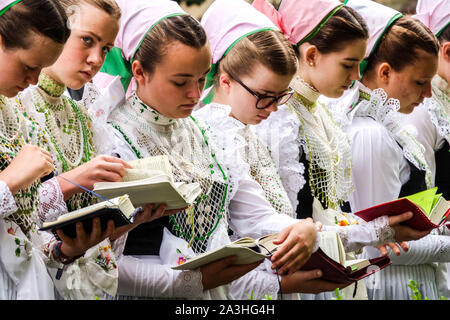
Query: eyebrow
(352, 59)
(97, 37)
(189, 75)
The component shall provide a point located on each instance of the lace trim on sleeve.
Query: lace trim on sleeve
(51, 201)
(118, 245)
(7, 202)
(439, 117)
(188, 284)
(373, 233)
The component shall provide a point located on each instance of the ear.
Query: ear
(445, 51)
(384, 72)
(311, 54)
(225, 82)
(139, 73)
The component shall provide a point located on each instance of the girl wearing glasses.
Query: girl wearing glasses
(388, 161)
(168, 55)
(253, 66)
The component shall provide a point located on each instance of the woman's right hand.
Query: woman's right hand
(223, 271)
(308, 282)
(30, 164)
(403, 232)
(100, 169)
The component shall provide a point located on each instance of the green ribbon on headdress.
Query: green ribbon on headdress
(313, 33)
(210, 77)
(116, 65)
(364, 64)
(442, 30)
(2, 11)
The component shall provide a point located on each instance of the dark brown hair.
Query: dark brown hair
(44, 17)
(182, 28)
(399, 45)
(268, 47)
(345, 26)
(445, 35)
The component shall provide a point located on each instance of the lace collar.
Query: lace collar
(50, 86)
(384, 110)
(305, 92)
(438, 107)
(150, 114)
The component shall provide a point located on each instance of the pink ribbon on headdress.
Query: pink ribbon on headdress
(268, 9)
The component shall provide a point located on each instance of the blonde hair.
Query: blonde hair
(268, 47)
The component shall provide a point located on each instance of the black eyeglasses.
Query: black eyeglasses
(265, 101)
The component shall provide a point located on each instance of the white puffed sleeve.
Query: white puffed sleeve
(140, 277)
(51, 201)
(251, 215)
(280, 132)
(379, 168)
(428, 137)
(7, 203)
(356, 236)
(429, 249)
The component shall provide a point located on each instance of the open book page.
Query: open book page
(148, 168)
(439, 210)
(189, 191)
(331, 244)
(424, 199)
(356, 264)
(267, 244)
(122, 202)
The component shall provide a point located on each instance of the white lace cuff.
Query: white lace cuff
(373, 233)
(51, 201)
(7, 203)
(118, 245)
(258, 284)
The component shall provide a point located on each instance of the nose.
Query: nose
(96, 57)
(427, 92)
(273, 107)
(33, 76)
(195, 91)
(355, 75)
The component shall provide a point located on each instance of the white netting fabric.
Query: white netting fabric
(327, 147)
(438, 107)
(385, 111)
(185, 141)
(244, 152)
(15, 132)
(68, 128)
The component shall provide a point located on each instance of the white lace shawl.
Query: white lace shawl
(280, 133)
(438, 107)
(385, 112)
(245, 153)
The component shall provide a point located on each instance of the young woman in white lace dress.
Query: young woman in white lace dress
(388, 161)
(432, 117)
(75, 142)
(26, 253)
(156, 120)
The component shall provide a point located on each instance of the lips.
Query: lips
(87, 74)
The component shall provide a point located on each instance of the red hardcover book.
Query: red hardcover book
(335, 272)
(419, 221)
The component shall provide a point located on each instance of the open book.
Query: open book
(331, 259)
(151, 181)
(120, 209)
(430, 210)
(246, 250)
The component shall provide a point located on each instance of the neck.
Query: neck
(50, 84)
